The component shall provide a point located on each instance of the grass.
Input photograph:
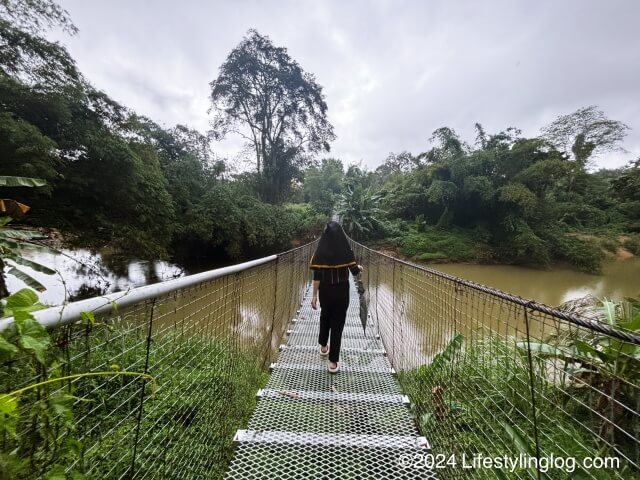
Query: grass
(609, 244)
(633, 244)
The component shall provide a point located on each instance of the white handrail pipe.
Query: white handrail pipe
(70, 312)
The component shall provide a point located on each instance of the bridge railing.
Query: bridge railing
(496, 375)
(488, 373)
(156, 379)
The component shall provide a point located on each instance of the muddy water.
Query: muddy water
(81, 273)
(552, 287)
(426, 312)
(239, 308)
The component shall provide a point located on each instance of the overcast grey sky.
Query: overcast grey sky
(392, 71)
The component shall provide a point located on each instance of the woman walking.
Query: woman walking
(331, 263)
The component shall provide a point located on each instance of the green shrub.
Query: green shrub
(529, 248)
(583, 254)
(633, 245)
(426, 257)
(581, 215)
(609, 244)
(203, 391)
(474, 398)
(304, 218)
(517, 243)
(245, 226)
(197, 407)
(434, 243)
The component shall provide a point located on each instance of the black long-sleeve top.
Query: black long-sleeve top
(334, 276)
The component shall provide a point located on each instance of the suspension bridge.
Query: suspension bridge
(442, 370)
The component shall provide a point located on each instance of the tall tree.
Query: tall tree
(448, 145)
(264, 96)
(25, 55)
(584, 133)
(34, 16)
(398, 162)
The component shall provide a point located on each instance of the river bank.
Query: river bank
(585, 250)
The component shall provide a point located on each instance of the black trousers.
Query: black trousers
(334, 301)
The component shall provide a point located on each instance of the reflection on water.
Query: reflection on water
(83, 274)
(239, 307)
(416, 323)
(552, 287)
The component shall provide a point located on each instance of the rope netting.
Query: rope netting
(493, 375)
(167, 380)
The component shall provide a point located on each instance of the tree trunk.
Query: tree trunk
(4, 291)
(444, 219)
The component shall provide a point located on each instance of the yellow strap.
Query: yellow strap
(313, 265)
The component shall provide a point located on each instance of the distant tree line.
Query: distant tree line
(506, 198)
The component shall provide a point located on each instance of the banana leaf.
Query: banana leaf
(38, 267)
(26, 278)
(6, 181)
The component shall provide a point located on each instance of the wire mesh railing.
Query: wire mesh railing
(157, 379)
(493, 375)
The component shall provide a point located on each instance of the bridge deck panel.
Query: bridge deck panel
(269, 461)
(300, 406)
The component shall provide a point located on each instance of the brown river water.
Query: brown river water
(426, 312)
(620, 279)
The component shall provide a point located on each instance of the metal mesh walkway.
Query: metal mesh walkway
(310, 423)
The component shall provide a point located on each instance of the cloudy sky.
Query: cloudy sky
(392, 71)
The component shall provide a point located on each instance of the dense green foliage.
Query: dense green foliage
(430, 243)
(120, 179)
(322, 184)
(506, 199)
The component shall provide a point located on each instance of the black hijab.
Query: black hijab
(333, 249)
